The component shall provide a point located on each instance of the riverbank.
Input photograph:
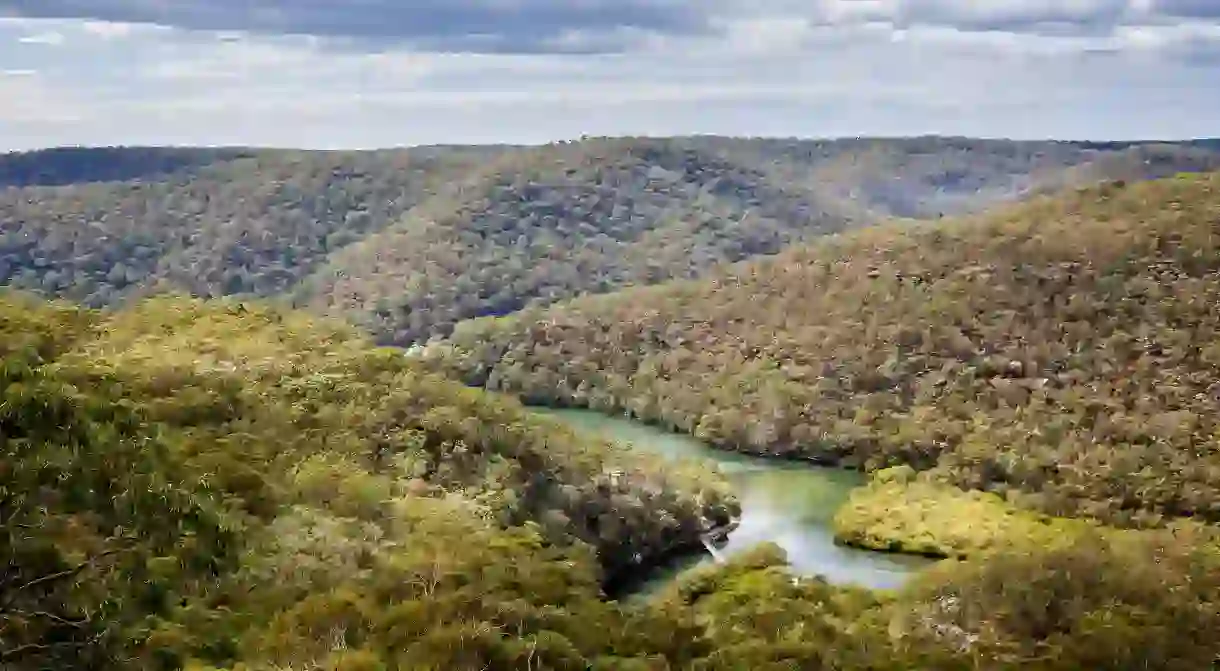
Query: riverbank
(785, 502)
(897, 511)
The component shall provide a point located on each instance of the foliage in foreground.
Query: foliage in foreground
(162, 460)
(220, 486)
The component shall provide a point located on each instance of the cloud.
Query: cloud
(1197, 9)
(49, 39)
(1010, 15)
(1072, 68)
(481, 25)
(1194, 41)
(109, 30)
(597, 26)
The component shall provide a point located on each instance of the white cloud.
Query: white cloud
(50, 39)
(113, 30)
(767, 35)
(857, 11)
(28, 100)
(835, 69)
(1168, 36)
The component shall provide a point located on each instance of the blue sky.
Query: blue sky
(365, 73)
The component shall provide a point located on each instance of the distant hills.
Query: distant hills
(409, 242)
(555, 222)
(250, 223)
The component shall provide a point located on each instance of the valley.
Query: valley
(1015, 353)
(953, 401)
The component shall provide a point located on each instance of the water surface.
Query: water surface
(787, 503)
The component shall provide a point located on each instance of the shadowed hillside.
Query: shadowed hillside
(927, 178)
(247, 225)
(81, 165)
(561, 221)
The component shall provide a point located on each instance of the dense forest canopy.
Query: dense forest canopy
(251, 225)
(64, 166)
(225, 486)
(220, 482)
(1023, 353)
(408, 242)
(279, 444)
(561, 221)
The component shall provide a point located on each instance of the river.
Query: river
(787, 503)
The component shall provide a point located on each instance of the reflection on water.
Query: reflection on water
(787, 503)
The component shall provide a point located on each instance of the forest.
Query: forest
(218, 453)
(408, 242)
(1022, 353)
(222, 485)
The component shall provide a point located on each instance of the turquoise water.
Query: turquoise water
(787, 503)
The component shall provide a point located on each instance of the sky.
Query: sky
(379, 73)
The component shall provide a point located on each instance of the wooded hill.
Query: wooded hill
(253, 224)
(408, 242)
(1062, 353)
(149, 451)
(217, 486)
(561, 221)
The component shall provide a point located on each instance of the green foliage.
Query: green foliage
(927, 518)
(562, 220)
(210, 223)
(1060, 354)
(929, 177)
(223, 485)
(408, 242)
(174, 496)
(1148, 602)
(34, 331)
(223, 481)
(63, 166)
(101, 526)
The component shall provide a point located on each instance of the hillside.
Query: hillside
(216, 486)
(406, 242)
(83, 165)
(926, 178)
(561, 221)
(251, 224)
(280, 444)
(1060, 353)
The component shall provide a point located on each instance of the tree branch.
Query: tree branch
(67, 573)
(37, 647)
(47, 616)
